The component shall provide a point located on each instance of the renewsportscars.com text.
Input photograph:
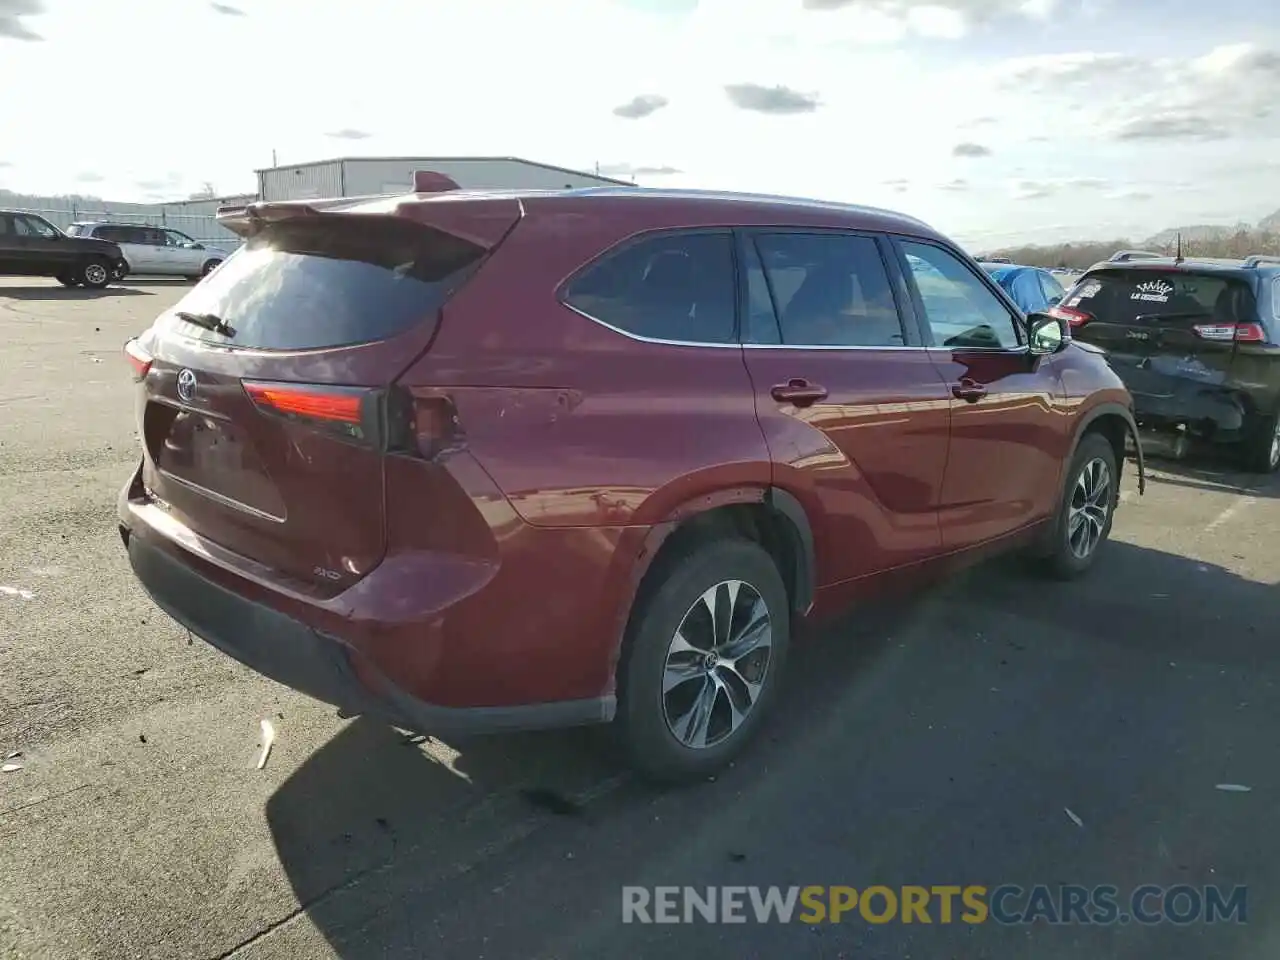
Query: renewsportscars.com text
(1060, 904)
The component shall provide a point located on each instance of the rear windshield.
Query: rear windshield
(1123, 296)
(309, 285)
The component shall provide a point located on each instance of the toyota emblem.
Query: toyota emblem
(186, 385)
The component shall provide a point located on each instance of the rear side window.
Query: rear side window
(830, 290)
(676, 287)
(307, 285)
(1126, 296)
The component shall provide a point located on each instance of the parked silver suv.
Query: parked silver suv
(153, 250)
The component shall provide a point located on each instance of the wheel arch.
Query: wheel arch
(1114, 421)
(767, 515)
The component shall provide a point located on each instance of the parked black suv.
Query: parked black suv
(1196, 341)
(31, 246)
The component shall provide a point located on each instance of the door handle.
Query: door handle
(969, 390)
(798, 392)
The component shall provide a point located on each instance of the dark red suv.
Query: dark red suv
(485, 461)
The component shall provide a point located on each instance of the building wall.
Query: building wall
(372, 176)
(364, 177)
(309, 182)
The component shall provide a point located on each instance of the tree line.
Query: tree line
(1081, 256)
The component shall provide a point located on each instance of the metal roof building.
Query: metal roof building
(369, 176)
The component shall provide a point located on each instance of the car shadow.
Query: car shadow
(1214, 471)
(391, 846)
(160, 281)
(69, 293)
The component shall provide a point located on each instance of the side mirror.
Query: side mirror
(1046, 334)
(194, 246)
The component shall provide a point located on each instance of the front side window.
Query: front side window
(959, 308)
(35, 227)
(677, 287)
(830, 290)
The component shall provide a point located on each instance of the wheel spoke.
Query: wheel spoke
(680, 671)
(692, 727)
(756, 634)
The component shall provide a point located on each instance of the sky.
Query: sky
(997, 121)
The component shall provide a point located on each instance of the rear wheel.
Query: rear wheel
(95, 274)
(704, 656)
(1262, 449)
(1086, 510)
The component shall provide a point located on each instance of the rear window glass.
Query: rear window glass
(1122, 296)
(669, 287)
(308, 285)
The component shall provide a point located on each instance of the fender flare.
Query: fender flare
(1112, 408)
(806, 557)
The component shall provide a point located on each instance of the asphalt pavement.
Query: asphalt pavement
(996, 730)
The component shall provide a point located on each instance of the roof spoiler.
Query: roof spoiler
(1124, 256)
(1260, 258)
(484, 221)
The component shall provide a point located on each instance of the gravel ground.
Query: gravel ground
(954, 739)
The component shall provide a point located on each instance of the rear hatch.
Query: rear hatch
(1168, 331)
(268, 400)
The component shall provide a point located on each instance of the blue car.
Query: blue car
(1032, 288)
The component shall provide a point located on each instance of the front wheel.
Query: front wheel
(95, 274)
(1083, 522)
(704, 656)
(209, 267)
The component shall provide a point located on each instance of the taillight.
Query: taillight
(307, 402)
(340, 410)
(138, 359)
(1074, 318)
(1228, 332)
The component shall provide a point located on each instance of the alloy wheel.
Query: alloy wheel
(95, 273)
(1090, 506)
(716, 664)
(1273, 458)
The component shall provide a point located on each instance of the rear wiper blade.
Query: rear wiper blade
(207, 321)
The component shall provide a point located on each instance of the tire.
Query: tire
(1092, 483)
(209, 267)
(95, 274)
(648, 718)
(67, 281)
(1262, 449)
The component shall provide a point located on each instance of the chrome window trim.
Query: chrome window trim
(643, 339)
(781, 346)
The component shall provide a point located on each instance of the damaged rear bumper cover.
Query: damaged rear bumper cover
(292, 653)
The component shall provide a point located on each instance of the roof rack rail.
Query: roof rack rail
(1258, 258)
(1123, 256)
